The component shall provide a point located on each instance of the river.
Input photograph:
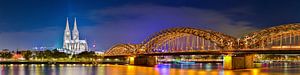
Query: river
(160, 69)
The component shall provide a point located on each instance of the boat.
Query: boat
(183, 62)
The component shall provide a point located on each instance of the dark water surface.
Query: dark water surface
(161, 69)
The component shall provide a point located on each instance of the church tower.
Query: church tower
(67, 36)
(72, 44)
(75, 33)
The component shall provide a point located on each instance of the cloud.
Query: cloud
(48, 36)
(133, 23)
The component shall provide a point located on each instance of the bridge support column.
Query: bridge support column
(145, 60)
(131, 60)
(238, 61)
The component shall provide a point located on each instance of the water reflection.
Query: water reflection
(160, 69)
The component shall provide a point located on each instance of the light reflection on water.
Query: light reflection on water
(161, 69)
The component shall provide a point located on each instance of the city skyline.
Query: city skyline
(149, 37)
(113, 22)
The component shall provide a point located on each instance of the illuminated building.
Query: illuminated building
(73, 45)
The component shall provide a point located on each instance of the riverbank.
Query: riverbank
(45, 62)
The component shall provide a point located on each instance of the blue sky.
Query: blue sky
(28, 23)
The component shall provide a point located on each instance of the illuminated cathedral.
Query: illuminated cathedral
(72, 43)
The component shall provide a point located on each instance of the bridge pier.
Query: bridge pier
(143, 60)
(238, 61)
(131, 60)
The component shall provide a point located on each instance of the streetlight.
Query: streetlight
(238, 43)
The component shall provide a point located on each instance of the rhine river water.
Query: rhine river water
(161, 69)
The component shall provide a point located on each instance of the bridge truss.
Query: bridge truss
(187, 39)
(122, 50)
(278, 37)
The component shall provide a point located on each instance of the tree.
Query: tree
(57, 54)
(48, 54)
(40, 54)
(6, 55)
(26, 54)
(86, 54)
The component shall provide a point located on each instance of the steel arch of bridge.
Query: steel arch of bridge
(122, 50)
(262, 38)
(221, 40)
(254, 40)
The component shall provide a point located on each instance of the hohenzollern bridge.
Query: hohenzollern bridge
(236, 52)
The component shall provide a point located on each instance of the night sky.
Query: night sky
(29, 23)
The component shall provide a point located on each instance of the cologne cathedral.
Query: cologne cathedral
(72, 43)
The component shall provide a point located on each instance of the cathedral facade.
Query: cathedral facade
(72, 43)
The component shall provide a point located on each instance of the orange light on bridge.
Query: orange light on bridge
(227, 62)
(131, 60)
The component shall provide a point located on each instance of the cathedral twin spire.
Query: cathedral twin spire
(71, 41)
(75, 32)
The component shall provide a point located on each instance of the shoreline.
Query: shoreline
(46, 62)
(18, 62)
